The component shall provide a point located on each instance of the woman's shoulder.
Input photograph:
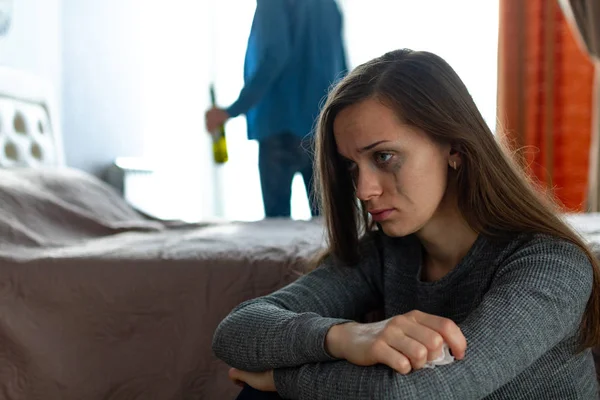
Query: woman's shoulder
(543, 245)
(542, 256)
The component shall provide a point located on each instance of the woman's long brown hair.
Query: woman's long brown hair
(494, 194)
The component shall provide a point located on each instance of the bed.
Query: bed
(99, 302)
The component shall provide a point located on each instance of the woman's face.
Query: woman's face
(399, 172)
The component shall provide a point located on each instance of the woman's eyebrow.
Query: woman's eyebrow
(369, 147)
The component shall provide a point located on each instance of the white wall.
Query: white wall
(33, 42)
(176, 49)
(87, 49)
(102, 96)
(136, 84)
(463, 32)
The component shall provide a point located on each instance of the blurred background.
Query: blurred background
(131, 80)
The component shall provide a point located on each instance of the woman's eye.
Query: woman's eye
(351, 166)
(382, 158)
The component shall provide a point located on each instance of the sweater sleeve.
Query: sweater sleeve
(288, 327)
(536, 300)
(270, 50)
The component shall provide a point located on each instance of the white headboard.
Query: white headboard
(29, 123)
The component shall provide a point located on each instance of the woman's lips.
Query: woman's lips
(381, 215)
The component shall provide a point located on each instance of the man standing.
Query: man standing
(295, 53)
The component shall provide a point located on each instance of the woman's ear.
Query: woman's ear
(454, 158)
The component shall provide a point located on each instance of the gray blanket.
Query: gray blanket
(100, 303)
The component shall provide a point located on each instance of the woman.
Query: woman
(448, 239)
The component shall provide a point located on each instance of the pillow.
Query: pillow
(58, 206)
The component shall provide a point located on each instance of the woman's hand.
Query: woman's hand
(404, 342)
(262, 381)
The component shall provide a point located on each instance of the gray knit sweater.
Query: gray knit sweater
(518, 303)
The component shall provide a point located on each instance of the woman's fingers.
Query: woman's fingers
(235, 375)
(385, 354)
(414, 350)
(258, 380)
(430, 339)
(449, 331)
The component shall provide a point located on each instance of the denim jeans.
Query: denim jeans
(249, 393)
(279, 158)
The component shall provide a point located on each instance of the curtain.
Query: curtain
(584, 19)
(545, 97)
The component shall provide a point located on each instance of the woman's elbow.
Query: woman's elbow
(228, 341)
(219, 342)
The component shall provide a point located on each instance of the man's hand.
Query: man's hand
(262, 381)
(214, 118)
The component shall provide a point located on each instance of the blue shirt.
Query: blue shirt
(295, 53)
